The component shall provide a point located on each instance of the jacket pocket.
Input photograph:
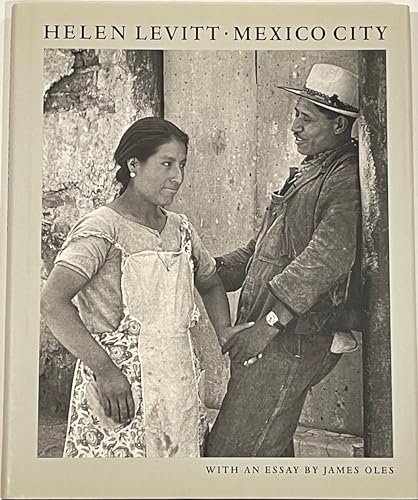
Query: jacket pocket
(276, 246)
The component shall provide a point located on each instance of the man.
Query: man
(300, 278)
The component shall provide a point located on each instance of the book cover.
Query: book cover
(240, 80)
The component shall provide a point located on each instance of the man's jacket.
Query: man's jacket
(306, 258)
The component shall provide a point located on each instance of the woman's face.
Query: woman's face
(159, 178)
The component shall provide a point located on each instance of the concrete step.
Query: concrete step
(322, 443)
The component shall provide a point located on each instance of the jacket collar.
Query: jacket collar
(324, 158)
(316, 166)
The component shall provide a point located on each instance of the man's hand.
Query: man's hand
(250, 343)
(116, 395)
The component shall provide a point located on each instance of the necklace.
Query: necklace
(164, 262)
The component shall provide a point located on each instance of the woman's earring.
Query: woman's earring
(132, 174)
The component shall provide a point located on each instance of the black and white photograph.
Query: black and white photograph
(215, 254)
(210, 257)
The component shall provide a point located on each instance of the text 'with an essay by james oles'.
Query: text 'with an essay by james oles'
(307, 470)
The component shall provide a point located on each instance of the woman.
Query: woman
(131, 267)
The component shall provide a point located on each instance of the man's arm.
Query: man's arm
(328, 257)
(331, 253)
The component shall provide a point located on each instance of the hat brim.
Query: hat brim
(318, 102)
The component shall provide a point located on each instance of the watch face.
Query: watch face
(272, 318)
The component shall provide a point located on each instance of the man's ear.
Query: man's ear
(341, 124)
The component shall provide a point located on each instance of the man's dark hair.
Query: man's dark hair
(331, 115)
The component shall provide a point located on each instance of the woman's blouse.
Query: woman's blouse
(96, 259)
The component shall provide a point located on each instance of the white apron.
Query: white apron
(152, 346)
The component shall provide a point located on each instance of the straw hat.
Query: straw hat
(330, 87)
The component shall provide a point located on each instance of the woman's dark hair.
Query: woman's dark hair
(142, 140)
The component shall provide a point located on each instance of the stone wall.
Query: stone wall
(90, 98)
(241, 150)
(374, 176)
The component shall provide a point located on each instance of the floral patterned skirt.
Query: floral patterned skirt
(90, 433)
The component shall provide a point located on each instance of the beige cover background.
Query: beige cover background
(27, 476)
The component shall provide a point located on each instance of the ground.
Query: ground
(51, 435)
(308, 442)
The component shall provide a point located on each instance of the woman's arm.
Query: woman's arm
(62, 318)
(217, 306)
(232, 266)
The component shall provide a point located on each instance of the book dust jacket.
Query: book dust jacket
(210, 252)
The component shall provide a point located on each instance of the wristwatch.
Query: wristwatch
(272, 319)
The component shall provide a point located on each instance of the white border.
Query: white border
(5, 22)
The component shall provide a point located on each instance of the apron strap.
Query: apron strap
(187, 247)
(185, 235)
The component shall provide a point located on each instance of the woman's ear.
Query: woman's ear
(132, 164)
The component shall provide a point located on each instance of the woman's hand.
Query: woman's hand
(115, 394)
(227, 333)
(249, 343)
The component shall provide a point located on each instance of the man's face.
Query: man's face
(313, 130)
